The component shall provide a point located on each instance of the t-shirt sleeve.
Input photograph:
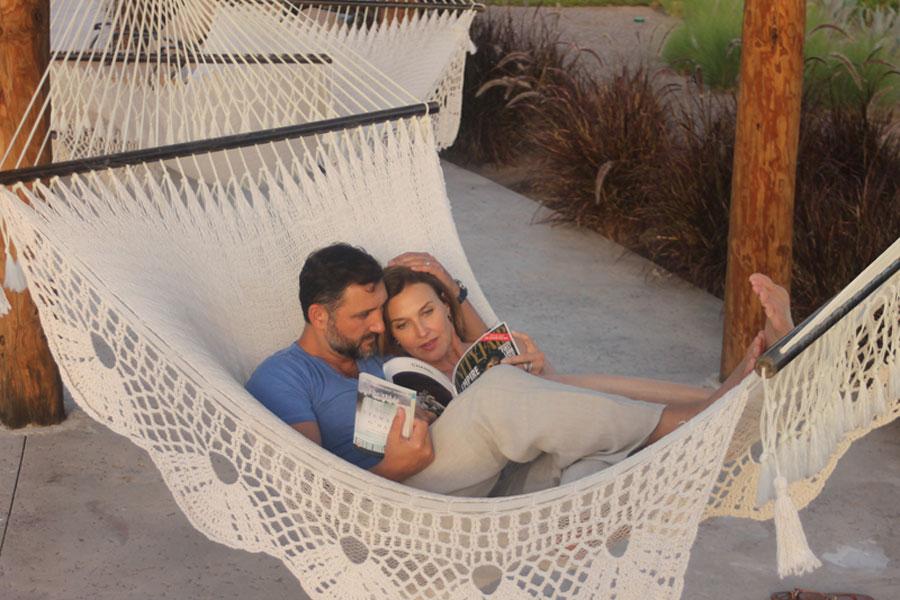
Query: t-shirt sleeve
(287, 393)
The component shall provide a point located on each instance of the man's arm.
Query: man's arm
(310, 429)
(403, 457)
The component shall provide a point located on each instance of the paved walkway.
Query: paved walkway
(92, 519)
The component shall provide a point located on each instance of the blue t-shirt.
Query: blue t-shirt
(298, 387)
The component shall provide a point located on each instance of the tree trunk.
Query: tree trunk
(30, 386)
(765, 164)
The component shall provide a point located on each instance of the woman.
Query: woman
(546, 425)
(424, 320)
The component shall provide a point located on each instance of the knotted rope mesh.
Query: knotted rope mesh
(164, 281)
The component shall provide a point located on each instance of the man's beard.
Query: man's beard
(347, 347)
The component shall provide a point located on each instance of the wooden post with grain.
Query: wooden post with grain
(30, 386)
(765, 164)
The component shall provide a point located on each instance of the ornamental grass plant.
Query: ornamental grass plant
(492, 130)
(624, 155)
(852, 48)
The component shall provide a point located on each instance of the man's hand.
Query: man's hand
(404, 457)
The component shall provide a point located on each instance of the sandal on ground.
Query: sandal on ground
(798, 594)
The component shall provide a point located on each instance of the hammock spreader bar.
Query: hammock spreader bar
(190, 58)
(229, 142)
(776, 358)
(477, 7)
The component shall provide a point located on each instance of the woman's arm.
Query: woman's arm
(637, 388)
(473, 324)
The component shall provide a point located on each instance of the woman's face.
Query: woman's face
(420, 323)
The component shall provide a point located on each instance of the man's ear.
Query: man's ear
(318, 316)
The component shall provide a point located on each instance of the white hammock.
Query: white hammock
(276, 72)
(422, 48)
(164, 281)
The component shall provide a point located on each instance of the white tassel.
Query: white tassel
(15, 277)
(794, 554)
(764, 484)
(819, 451)
(4, 303)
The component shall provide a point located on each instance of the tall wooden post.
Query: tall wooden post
(30, 386)
(765, 164)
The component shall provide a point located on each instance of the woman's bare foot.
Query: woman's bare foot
(777, 304)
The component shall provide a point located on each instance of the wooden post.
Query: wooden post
(765, 164)
(30, 386)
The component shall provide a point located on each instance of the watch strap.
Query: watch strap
(463, 292)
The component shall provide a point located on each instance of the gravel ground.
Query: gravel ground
(618, 34)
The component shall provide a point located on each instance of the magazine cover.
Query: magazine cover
(376, 404)
(491, 348)
(420, 376)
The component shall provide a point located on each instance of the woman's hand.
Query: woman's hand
(425, 415)
(422, 261)
(531, 359)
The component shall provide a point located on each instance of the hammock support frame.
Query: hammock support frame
(229, 142)
(777, 357)
(184, 58)
(475, 6)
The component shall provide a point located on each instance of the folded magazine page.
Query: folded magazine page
(491, 348)
(376, 404)
(420, 376)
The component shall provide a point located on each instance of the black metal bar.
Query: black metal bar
(230, 142)
(191, 58)
(775, 359)
(476, 6)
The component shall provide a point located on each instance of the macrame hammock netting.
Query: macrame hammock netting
(211, 146)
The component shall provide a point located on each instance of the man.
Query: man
(505, 417)
(311, 385)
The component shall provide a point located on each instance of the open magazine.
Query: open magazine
(488, 350)
(411, 382)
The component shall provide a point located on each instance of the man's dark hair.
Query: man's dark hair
(328, 271)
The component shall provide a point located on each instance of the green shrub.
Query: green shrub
(852, 50)
(707, 44)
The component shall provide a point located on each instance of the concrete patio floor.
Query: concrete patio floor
(84, 513)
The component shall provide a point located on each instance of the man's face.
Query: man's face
(355, 323)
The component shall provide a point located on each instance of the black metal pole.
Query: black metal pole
(776, 358)
(477, 7)
(189, 58)
(230, 142)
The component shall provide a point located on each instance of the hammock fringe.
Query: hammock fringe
(794, 554)
(184, 268)
(5, 306)
(14, 280)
